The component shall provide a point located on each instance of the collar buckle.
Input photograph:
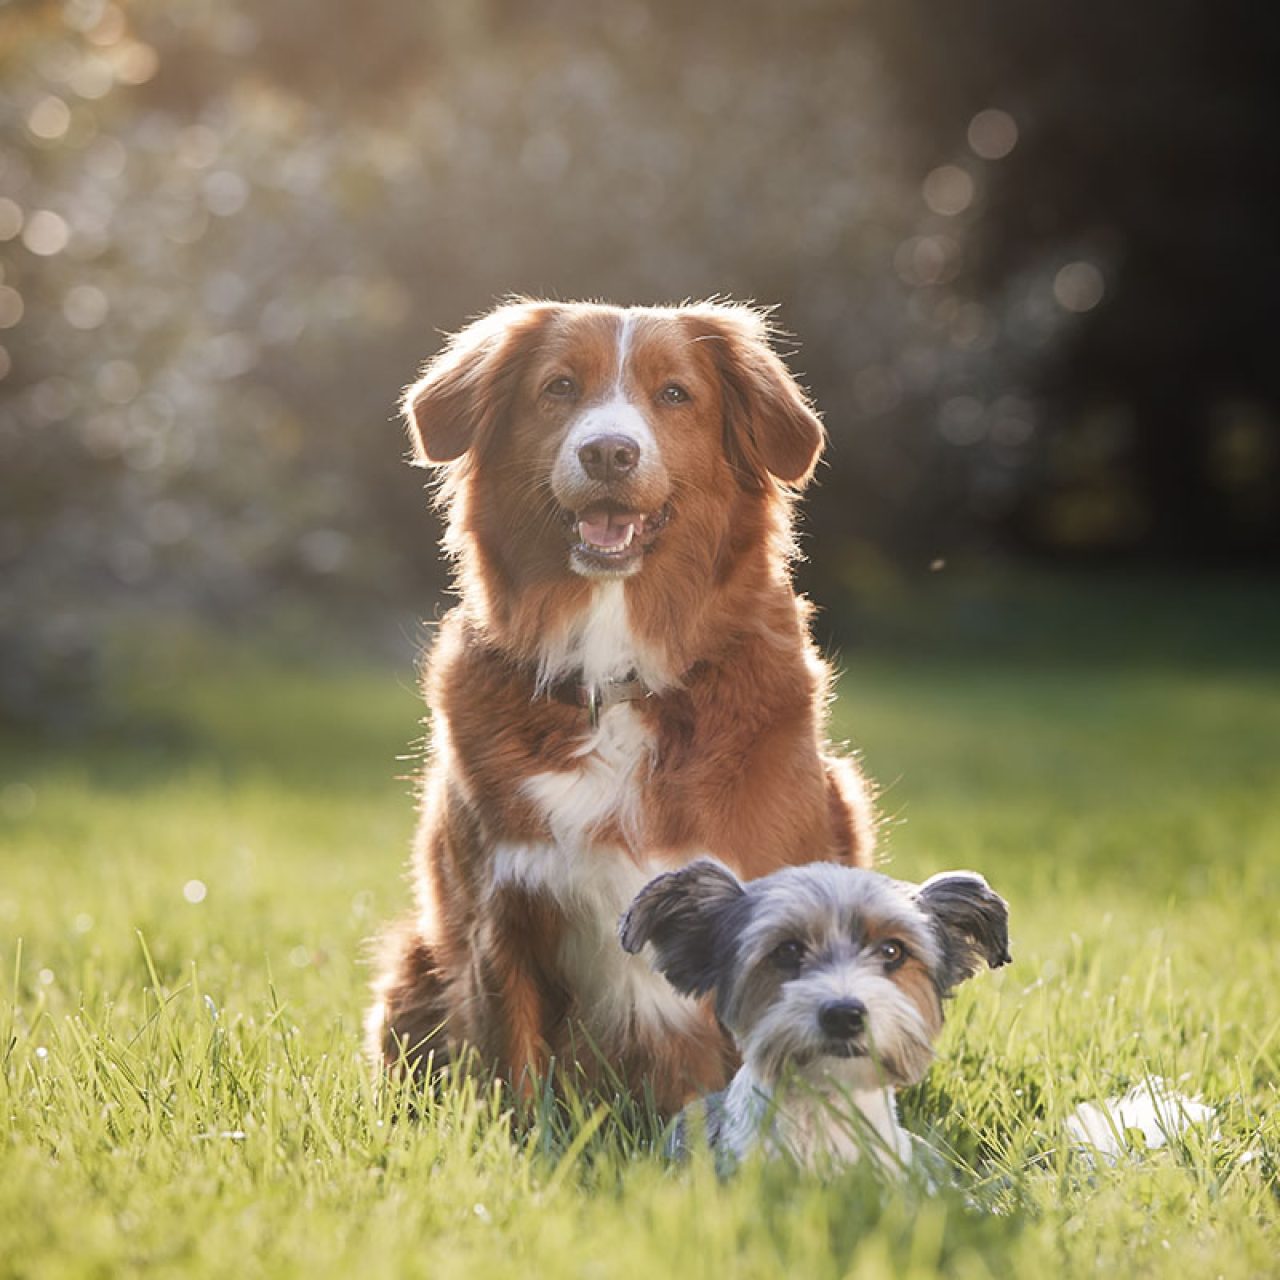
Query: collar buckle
(598, 698)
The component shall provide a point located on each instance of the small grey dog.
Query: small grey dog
(832, 981)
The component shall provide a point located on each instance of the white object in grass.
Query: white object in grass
(1151, 1108)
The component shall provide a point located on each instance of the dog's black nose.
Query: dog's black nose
(842, 1019)
(608, 458)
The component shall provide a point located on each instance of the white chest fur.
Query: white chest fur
(613, 760)
(599, 644)
(593, 881)
(605, 784)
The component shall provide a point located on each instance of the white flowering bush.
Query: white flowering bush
(229, 233)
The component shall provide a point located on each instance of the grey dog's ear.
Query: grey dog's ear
(682, 914)
(972, 922)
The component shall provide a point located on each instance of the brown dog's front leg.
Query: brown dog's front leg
(523, 998)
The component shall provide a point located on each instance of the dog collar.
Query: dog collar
(599, 697)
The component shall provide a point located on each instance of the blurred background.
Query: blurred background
(1027, 250)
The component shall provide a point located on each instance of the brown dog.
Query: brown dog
(626, 683)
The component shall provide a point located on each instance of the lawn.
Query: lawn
(186, 893)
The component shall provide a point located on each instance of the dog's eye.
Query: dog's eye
(788, 956)
(673, 393)
(561, 388)
(893, 953)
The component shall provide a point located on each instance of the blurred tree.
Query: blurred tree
(1145, 150)
(1026, 247)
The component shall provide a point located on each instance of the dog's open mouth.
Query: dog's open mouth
(607, 535)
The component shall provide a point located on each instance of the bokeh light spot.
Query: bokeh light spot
(993, 134)
(110, 26)
(1079, 286)
(92, 78)
(1013, 422)
(225, 193)
(11, 307)
(135, 62)
(46, 233)
(970, 326)
(195, 891)
(82, 15)
(10, 218)
(49, 119)
(948, 190)
(925, 260)
(85, 306)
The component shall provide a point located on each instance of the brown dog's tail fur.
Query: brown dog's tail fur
(405, 1026)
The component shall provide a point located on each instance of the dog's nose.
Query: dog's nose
(608, 458)
(842, 1019)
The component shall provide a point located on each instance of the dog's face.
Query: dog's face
(605, 439)
(822, 964)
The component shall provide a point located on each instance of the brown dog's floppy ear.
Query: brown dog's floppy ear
(770, 427)
(972, 922)
(681, 913)
(464, 390)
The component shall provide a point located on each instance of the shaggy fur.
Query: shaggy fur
(618, 485)
(832, 980)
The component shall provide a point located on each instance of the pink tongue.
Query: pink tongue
(606, 528)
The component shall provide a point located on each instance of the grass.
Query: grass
(184, 901)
